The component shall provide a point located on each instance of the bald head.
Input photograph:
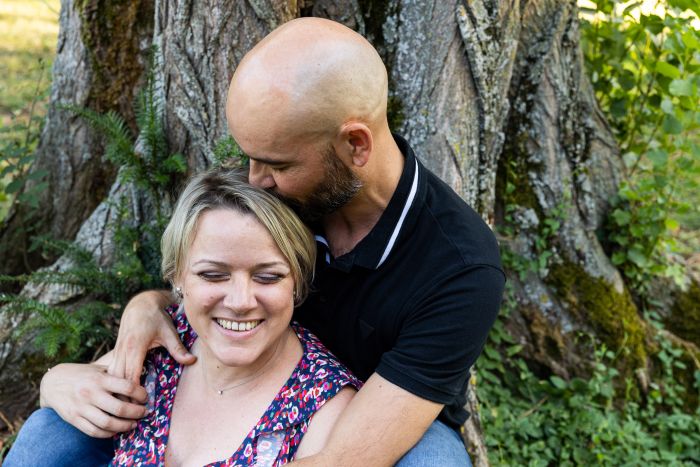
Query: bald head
(307, 78)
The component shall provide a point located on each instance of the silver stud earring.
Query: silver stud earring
(178, 292)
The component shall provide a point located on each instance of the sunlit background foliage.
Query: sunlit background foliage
(643, 59)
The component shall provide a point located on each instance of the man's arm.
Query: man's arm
(105, 397)
(145, 325)
(439, 340)
(88, 398)
(379, 425)
(322, 423)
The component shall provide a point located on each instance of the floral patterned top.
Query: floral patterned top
(273, 441)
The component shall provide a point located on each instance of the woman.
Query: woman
(262, 392)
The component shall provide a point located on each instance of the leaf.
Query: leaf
(672, 224)
(682, 87)
(627, 80)
(14, 186)
(621, 217)
(630, 159)
(513, 349)
(653, 23)
(638, 257)
(631, 7)
(690, 40)
(37, 175)
(686, 5)
(667, 106)
(668, 70)
(658, 157)
(8, 169)
(672, 125)
(557, 382)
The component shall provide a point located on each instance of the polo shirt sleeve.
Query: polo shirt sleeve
(443, 333)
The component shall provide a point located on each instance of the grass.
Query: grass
(28, 33)
(28, 36)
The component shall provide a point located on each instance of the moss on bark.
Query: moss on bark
(684, 320)
(113, 32)
(612, 315)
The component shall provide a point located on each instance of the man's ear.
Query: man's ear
(357, 140)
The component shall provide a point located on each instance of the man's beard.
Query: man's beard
(337, 188)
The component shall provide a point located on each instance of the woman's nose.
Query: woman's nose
(240, 297)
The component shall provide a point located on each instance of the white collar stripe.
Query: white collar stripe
(397, 229)
(320, 239)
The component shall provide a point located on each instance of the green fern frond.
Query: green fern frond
(66, 332)
(228, 152)
(120, 142)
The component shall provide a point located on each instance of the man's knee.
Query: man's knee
(45, 439)
(439, 446)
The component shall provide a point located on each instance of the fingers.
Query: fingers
(90, 429)
(133, 363)
(119, 408)
(118, 365)
(105, 425)
(140, 325)
(124, 387)
(171, 341)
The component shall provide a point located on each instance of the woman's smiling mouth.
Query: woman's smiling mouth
(238, 325)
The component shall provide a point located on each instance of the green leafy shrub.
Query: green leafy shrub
(17, 144)
(644, 70)
(584, 421)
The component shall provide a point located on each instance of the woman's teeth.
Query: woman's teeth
(238, 325)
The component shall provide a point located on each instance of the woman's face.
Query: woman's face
(237, 287)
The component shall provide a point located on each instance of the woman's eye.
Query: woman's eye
(212, 276)
(268, 278)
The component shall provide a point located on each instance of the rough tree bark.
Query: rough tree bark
(491, 94)
(100, 57)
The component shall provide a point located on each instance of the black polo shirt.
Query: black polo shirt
(415, 299)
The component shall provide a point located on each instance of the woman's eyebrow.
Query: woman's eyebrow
(272, 263)
(266, 264)
(209, 261)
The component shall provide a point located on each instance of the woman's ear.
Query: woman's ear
(357, 140)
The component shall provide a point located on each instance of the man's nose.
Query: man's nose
(260, 175)
(240, 296)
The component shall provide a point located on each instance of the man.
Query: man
(408, 281)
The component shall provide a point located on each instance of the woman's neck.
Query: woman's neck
(222, 378)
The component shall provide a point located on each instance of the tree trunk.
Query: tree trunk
(100, 58)
(491, 94)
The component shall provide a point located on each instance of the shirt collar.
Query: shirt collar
(375, 248)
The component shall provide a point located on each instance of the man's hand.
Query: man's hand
(379, 425)
(85, 396)
(144, 325)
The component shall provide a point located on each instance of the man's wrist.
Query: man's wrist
(156, 299)
(43, 387)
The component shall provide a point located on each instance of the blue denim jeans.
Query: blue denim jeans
(439, 446)
(46, 440)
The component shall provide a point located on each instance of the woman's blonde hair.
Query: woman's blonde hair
(229, 188)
